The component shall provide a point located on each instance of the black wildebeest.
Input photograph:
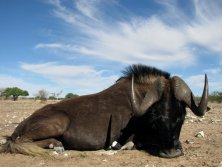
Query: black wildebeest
(144, 102)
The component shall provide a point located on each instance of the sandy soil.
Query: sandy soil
(198, 151)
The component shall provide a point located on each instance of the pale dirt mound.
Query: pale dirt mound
(199, 151)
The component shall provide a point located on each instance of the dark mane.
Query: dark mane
(143, 73)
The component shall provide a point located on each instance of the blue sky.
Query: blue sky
(81, 46)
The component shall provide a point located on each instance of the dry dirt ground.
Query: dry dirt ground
(198, 151)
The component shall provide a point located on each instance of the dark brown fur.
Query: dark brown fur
(79, 123)
(94, 121)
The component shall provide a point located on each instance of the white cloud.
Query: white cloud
(82, 79)
(213, 71)
(88, 8)
(9, 81)
(205, 30)
(207, 35)
(32, 88)
(53, 69)
(50, 45)
(148, 40)
(206, 11)
(163, 40)
(196, 83)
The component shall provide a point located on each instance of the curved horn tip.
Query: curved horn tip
(206, 83)
(184, 93)
(204, 99)
(206, 78)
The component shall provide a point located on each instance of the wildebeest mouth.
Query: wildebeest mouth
(156, 150)
(172, 153)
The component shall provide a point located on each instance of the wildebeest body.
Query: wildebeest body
(145, 103)
(91, 122)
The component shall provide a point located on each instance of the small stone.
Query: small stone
(199, 134)
(105, 160)
(3, 141)
(55, 153)
(41, 163)
(190, 117)
(103, 152)
(66, 155)
(189, 142)
(201, 119)
(59, 149)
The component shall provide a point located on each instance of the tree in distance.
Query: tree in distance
(69, 95)
(42, 95)
(15, 92)
(55, 96)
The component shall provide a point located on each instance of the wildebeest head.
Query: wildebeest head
(166, 98)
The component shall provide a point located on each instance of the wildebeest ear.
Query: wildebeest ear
(153, 94)
(183, 93)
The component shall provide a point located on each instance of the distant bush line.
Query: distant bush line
(215, 96)
(16, 93)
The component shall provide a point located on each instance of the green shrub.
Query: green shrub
(15, 92)
(215, 96)
(52, 98)
(69, 95)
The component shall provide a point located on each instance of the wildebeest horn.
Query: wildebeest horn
(153, 94)
(183, 93)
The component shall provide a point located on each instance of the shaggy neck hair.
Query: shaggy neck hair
(143, 73)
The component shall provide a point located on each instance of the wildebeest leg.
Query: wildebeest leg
(41, 130)
(36, 128)
(128, 131)
(48, 143)
(128, 146)
(51, 143)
